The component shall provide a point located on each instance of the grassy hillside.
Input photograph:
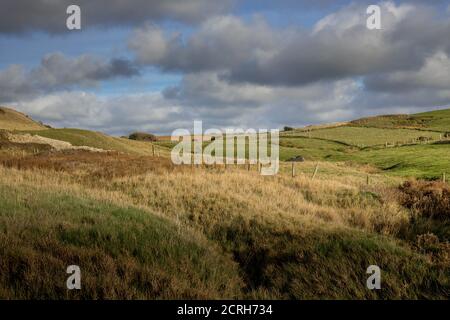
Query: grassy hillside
(287, 237)
(362, 141)
(405, 155)
(423, 161)
(311, 149)
(13, 120)
(123, 253)
(78, 137)
(140, 227)
(438, 120)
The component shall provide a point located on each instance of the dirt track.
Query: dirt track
(55, 144)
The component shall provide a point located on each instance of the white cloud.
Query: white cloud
(115, 115)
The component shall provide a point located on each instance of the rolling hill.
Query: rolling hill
(364, 137)
(438, 120)
(404, 145)
(13, 120)
(17, 122)
(78, 137)
(141, 227)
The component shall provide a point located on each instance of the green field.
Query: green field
(361, 141)
(365, 137)
(423, 161)
(312, 149)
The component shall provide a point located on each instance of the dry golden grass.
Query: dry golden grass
(92, 164)
(13, 120)
(291, 237)
(154, 182)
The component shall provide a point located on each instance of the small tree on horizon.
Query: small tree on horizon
(142, 136)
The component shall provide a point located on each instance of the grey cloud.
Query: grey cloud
(19, 16)
(220, 103)
(249, 74)
(57, 71)
(117, 67)
(338, 46)
(222, 42)
(14, 84)
(434, 74)
(223, 104)
(341, 47)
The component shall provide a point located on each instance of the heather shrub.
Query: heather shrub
(427, 199)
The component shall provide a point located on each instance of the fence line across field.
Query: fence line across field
(247, 165)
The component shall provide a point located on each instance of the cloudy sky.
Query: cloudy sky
(158, 65)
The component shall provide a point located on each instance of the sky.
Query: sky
(158, 65)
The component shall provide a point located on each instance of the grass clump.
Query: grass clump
(123, 253)
(429, 199)
(429, 203)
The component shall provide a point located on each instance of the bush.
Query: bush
(431, 245)
(423, 139)
(429, 199)
(288, 128)
(142, 136)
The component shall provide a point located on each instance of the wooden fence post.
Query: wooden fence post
(367, 179)
(153, 149)
(315, 171)
(293, 169)
(443, 177)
